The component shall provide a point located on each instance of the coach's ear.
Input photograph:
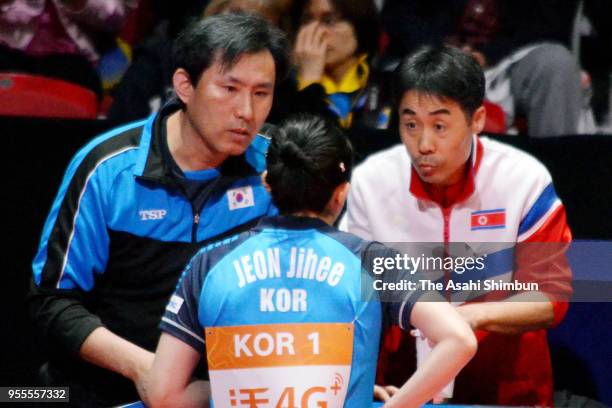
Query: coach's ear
(479, 118)
(264, 181)
(182, 85)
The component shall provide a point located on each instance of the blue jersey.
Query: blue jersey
(284, 315)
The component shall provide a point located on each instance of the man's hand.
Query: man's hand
(310, 51)
(385, 393)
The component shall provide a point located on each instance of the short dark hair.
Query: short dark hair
(307, 159)
(228, 37)
(363, 16)
(442, 71)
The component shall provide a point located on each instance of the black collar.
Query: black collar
(159, 162)
(291, 222)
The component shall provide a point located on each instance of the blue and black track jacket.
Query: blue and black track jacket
(121, 230)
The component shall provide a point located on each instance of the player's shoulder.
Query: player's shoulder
(212, 253)
(360, 247)
(216, 250)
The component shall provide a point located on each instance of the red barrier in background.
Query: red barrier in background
(43, 97)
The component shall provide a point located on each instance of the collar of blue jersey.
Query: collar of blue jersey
(291, 222)
(158, 163)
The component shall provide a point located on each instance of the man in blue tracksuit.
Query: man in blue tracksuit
(287, 313)
(137, 202)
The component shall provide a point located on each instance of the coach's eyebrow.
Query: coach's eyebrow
(265, 84)
(442, 111)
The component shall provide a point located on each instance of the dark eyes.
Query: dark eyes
(439, 127)
(233, 89)
(329, 19)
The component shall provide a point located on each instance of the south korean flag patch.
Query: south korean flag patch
(241, 197)
(175, 303)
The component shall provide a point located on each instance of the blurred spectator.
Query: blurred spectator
(117, 57)
(178, 13)
(147, 84)
(58, 38)
(337, 72)
(275, 11)
(332, 54)
(523, 46)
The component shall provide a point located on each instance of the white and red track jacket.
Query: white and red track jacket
(507, 201)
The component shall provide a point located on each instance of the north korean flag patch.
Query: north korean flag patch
(488, 219)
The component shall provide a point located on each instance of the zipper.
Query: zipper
(196, 212)
(196, 222)
(446, 213)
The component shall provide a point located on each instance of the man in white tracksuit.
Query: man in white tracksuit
(445, 184)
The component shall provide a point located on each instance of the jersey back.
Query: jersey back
(281, 316)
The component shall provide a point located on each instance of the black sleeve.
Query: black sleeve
(288, 101)
(312, 99)
(56, 311)
(74, 246)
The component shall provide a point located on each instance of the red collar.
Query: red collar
(457, 192)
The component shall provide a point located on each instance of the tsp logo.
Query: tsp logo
(152, 214)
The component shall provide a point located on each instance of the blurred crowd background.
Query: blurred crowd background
(548, 63)
(70, 69)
